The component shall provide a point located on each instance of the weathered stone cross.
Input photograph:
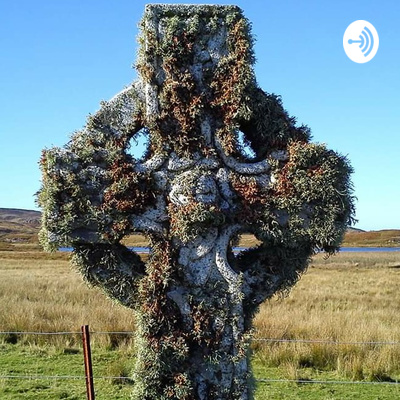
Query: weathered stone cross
(193, 194)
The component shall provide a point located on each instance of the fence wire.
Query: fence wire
(321, 382)
(260, 380)
(256, 339)
(318, 341)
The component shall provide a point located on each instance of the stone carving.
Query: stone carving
(193, 194)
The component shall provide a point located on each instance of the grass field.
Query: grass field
(351, 297)
(34, 360)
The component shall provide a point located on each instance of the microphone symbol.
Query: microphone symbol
(366, 41)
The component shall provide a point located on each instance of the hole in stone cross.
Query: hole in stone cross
(243, 242)
(245, 147)
(139, 244)
(139, 144)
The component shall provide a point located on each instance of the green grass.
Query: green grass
(63, 361)
(316, 391)
(50, 360)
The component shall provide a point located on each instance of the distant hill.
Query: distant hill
(383, 238)
(19, 225)
(22, 226)
(20, 216)
(354, 230)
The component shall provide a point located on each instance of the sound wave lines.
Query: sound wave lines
(366, 36)
(366, 41)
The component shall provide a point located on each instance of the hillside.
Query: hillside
(383, 238)
(22, 226)
(19, 226)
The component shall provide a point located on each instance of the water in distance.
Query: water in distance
(146, 250)
(369, 249)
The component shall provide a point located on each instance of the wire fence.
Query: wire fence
(260, 380)
(328, 342)
(256, 339)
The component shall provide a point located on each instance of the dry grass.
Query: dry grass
(351, 297)
(246, 240)
(41, 292)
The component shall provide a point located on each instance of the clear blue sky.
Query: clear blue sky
(59, 59)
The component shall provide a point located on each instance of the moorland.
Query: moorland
(340, 323)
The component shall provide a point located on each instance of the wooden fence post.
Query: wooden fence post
(87, 355)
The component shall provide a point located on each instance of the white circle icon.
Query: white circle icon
(361, 41)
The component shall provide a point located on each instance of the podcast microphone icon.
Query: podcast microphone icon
(366, 41)
(361, 41)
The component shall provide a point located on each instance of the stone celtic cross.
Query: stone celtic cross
(193, 193)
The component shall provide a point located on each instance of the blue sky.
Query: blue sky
(59, 59)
